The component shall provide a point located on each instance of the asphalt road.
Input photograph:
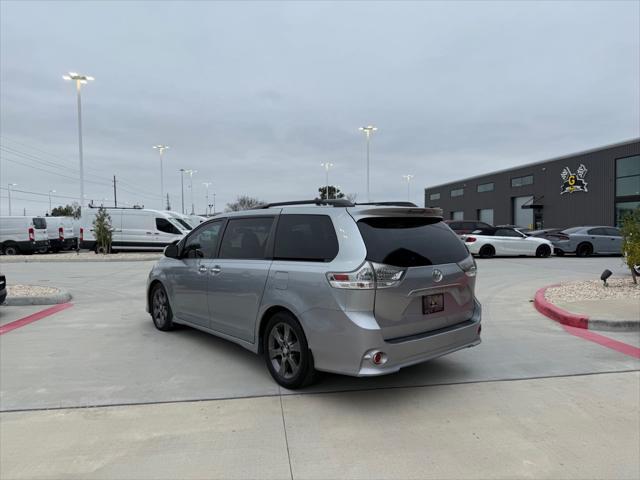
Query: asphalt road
(531, 400)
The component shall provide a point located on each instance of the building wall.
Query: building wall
(595, 207)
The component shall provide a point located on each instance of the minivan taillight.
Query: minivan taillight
(81, 234)
(61, 233)
(468, 266)
(470, 239)
(32, 234)
(369, 276)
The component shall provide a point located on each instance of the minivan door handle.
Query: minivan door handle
(215, 270)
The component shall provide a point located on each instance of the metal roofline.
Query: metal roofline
(533, 164)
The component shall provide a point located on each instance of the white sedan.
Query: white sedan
(489, 242)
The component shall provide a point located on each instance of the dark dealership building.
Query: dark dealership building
(594, 187)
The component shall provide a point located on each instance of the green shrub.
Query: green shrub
(631, 240)
(102, 230)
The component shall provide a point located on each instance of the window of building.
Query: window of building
(434, 196)
(306, 238)
(457, 215)
(458, 192)
(486, 215)
(522, 181)
(246, 238)
(623, 209)
(628, 176)
(485, 187)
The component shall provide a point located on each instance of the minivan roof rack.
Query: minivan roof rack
(338, 202)
(390, 204)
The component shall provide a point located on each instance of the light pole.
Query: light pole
(408, 179)
(50, 192)
(214, 202)
(161, 148)
(80, 80)
(9, 194)
(191, 172)
(206, 184)
(327, 166)
(368, 130)
(182, 187)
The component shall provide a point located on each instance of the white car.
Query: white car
(505, 241)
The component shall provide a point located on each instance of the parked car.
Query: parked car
(23, 235)
(547, 233)
(506, 241)
(3, 289)
(133, 229)
(60, 233)
(466, 226)
(585, 241)
(330, 286)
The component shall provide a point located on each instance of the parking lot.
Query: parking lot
(532, 400)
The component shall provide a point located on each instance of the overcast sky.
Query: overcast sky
(255, 95)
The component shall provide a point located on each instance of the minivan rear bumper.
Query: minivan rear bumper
(343, 350)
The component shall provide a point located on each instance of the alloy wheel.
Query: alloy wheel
(284, 351)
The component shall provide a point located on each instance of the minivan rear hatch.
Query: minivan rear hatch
(436, 289)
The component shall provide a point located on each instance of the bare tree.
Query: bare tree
(243, 202)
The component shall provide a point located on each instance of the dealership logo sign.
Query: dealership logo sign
(574, 182)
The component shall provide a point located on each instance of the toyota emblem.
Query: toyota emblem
(437, 275)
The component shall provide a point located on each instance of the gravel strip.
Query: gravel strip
(594, 290)
(82, 257)
(30, 291)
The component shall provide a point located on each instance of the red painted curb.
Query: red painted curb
(34, 317)
(547, 308)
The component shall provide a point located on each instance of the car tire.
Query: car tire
(487, 251)
(11, 249)
(286, 352)
(584, 250)
(160, 308)
(543, 251)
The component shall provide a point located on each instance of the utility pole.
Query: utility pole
(50, 192)
(207, 184)
(9, 194)
(214, 203)
(161, 148)
(327, 166)
(115, 194)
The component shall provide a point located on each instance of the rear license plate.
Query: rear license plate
(432, 303)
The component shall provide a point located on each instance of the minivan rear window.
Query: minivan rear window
(307, 238)
(39, 223)
(410, 241)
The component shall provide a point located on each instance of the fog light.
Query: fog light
(376, 357)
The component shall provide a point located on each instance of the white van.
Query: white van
(133, 229)
(61, 235)
(181, 218)
(24, 235)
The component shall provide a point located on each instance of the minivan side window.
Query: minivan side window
(246, 238)
(203, 243)
(166, 226)
(307, 238)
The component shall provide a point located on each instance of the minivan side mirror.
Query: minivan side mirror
(172, 251)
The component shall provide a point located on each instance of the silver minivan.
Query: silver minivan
(328, 286)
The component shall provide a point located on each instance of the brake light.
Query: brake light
(61, 233)
(369, 276)
(468, 266)
(470, 239)
(32, 234)
(81, 234)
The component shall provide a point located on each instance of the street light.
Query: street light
(182, 188)
(80, 80)
(9, 194)
(408, 179)
(327, 166)
(50, 192)
(206, 184)
(368, 131)
(161, 148)
(191, 172)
